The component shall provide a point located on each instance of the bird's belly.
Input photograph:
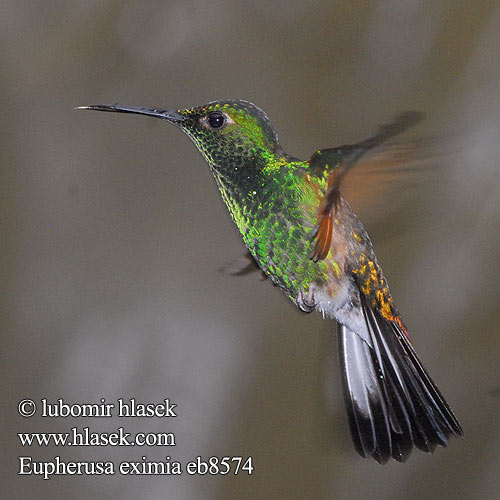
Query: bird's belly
(323, 284)
(282, 242)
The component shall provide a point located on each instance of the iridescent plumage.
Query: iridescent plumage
(307, 240)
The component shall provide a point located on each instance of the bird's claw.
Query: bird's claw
(306, 302)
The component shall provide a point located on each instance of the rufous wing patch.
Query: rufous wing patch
(326, 214)
(323, 236)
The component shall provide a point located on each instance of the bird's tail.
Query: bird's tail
(391, 402)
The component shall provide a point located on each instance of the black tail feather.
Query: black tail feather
(391, 401)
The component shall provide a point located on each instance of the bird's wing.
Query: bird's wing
(336, 162)
(243, 265)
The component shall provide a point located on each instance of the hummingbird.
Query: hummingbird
(304, 236)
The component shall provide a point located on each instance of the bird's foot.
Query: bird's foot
(305, 301)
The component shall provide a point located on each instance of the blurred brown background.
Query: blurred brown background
(113, 231)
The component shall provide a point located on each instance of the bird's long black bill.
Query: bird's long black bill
(164, 114)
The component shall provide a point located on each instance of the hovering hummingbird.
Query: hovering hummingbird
(305, 237)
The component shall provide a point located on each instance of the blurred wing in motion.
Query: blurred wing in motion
(243, 265)
(336, 163)
(393, 170)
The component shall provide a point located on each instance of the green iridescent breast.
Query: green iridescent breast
(276, 218)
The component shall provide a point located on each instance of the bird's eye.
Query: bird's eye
(216, 120)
